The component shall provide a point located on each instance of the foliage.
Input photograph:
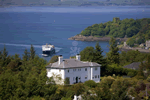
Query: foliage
(90, 83)
(67, 81)
(32, 52)
(148, 78)
(78, 88)
(138, 29)
(54, 59)
(26, 78)
(113, 54)
(87, 54)
(94, 55)
(132, 56)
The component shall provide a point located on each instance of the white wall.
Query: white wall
(73, 74)
(96, 72)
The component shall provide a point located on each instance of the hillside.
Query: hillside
(138, 29)
(72, 2)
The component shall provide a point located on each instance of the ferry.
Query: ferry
(48, 50)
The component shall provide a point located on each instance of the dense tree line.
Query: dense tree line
(76, 2)
(25, 79)
(138, 29)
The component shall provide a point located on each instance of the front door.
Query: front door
(76, 79)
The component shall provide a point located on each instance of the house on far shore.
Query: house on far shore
(125, 44)
(142, 45)
(147, 44)
(134, 65)
(74, 70)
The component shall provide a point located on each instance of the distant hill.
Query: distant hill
(73, 2)
(138, 31)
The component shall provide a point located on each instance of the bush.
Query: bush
(131, 73)
(54, 59)
(139, 77)
(90, 83)
(67, 81)
(70, 94)
(148, 78)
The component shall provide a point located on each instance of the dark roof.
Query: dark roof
(134, 65)
(72, 63)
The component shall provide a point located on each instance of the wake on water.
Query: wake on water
(28, 46)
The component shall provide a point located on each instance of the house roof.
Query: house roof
(72, 63)
(134, 65)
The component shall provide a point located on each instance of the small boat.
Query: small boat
(54, 21)
(44, 55)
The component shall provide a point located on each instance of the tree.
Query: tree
(78, 88)
(113, 54)
(131, 42)
(87, 54)
(32, 52)
(90, 83)
(54, 59)
(98, 57)
(4, 54)
(67, 81)
(26, 55)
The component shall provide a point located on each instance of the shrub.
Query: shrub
(67, 81)
(131, 73)
(90, 83)
(148, 78)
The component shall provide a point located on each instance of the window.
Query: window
(73, 78)
(68, 70)
(95, 76)
(98, 76)
(79, 69)
(95, 68)
(79, 78)
(85, 77)
(59, 70)
(74, 69)
(85, 69)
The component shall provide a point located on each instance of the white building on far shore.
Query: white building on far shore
(74, 69)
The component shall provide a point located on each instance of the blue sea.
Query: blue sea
(22, 26)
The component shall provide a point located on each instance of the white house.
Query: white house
(74, 69)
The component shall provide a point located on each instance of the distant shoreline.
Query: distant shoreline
(92, 38)
(1, 6)
(136, 48)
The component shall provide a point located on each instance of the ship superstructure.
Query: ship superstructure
(48, 49)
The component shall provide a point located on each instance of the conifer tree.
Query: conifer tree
(113, 54)
(32, 52)
(4, 54)
(98, 57)
(26, 55)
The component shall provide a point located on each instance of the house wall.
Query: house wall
(82, 74)
(54, 73)
(148, 43)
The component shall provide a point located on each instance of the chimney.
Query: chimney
(63, 64)
(60, 59)
(78, 57)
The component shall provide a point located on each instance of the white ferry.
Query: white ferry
(48, 49)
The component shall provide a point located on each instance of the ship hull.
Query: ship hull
(48, 52)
